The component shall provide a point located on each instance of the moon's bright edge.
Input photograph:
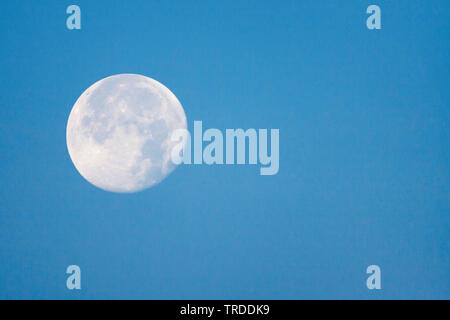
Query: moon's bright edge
(118, 132)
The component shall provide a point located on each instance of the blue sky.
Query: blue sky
(364, 158)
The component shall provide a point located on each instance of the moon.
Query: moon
(119, 132)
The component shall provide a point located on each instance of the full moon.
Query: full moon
(119, 132)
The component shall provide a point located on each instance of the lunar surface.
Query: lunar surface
(119, 130)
